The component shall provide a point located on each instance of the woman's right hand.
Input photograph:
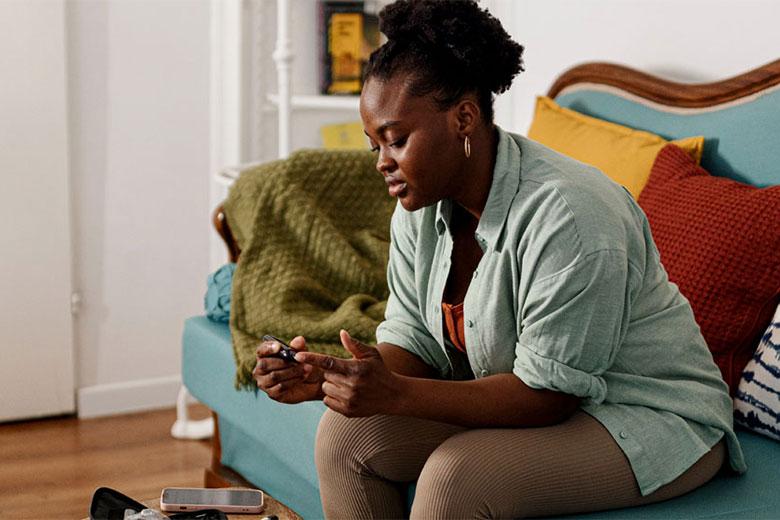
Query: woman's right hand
(284, 381)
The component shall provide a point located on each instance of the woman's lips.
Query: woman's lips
(396, 188)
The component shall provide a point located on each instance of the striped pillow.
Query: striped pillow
(757, 402)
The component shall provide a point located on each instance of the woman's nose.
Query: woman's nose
(383, 162)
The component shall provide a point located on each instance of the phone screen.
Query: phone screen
(216, 497)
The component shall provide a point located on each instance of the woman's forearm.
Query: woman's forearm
(391, 380)
(401, 361)
(501, 400)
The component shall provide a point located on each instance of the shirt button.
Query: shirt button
(475, 273)
(469, 323)
(484, 373)
(623, 435)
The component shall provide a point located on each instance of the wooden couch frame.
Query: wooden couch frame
(632, 81)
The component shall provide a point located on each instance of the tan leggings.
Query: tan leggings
(576, 466)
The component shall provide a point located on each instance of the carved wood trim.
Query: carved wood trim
(686, 95)
(219, 220)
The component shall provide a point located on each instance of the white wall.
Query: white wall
(140, 174)
(687, 41)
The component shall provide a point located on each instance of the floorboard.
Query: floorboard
(50, 468)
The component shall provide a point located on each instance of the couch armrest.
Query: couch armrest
(219, 220)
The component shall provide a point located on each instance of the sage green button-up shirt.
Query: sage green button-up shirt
(570, 295)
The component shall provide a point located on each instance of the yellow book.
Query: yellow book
(346, 39)
(345, 136)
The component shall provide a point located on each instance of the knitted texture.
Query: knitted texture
(314, 233)
(719, 241)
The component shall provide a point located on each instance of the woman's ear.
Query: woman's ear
(467, 116)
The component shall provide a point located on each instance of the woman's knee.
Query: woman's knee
(385, 446)
(363, 445)
(334, 442)
(449, 485)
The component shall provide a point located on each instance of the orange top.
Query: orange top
(453, 318)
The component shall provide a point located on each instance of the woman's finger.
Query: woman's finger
(337, 378)
(298, 343)
(345, 366)
(267, 348)
(334, 390)
(267, 365)
(273, 378)
(335, 405)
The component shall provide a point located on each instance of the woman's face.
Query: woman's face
(417, 142)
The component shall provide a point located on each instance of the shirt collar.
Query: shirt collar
(503, 187)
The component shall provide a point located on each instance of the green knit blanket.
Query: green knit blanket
(314, 234)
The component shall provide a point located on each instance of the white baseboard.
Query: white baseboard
(128, 396)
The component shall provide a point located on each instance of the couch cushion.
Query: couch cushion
(720, 243)
(740, 137)
(757, 403)
(625, 155)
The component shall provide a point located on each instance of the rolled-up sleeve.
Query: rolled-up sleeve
(404, 323)
(571, 325)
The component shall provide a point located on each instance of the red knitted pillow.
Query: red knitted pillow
(720, 243)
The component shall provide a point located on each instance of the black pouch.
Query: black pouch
(110, 504)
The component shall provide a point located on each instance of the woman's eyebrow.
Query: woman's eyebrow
(381, 130)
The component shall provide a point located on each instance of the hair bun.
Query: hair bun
(457, 34)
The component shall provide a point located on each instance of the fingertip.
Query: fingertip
(345, 337)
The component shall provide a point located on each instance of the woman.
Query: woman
(534, 359)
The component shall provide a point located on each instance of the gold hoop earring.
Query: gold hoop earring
(467, 147)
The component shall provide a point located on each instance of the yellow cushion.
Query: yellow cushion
(624, 154)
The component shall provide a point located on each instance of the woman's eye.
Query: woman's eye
(399, 143)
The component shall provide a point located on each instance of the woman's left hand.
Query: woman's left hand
(356, 387)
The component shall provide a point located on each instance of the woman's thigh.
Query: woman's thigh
(571, 467)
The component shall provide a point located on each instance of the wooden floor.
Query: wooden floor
(50, 468)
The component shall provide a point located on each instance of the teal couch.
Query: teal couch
(272, 445)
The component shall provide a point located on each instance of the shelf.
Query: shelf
(321, 102)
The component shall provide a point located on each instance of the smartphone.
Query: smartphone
(228, 500)
(285, 352)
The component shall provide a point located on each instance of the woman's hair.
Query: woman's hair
(447, 48)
